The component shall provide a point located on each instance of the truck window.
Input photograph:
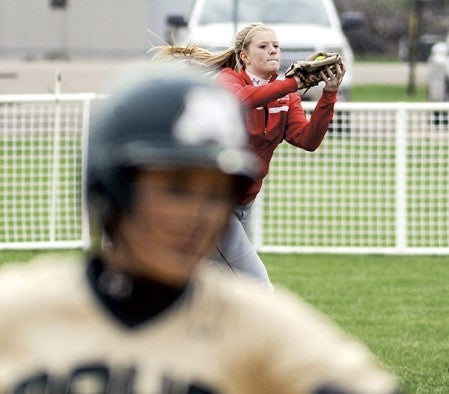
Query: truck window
(267, 11)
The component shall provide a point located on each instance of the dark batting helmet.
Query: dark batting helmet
(162, 116)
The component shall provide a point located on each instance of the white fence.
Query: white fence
(42, 163)
(379, 183)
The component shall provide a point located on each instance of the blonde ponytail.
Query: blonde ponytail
(207, 60)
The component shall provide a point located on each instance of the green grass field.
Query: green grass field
(397, 305)
(382, 93)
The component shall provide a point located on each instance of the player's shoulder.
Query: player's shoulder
(43, 265)
(281, 320)
(228, 71)
(26, 283)
(244, 295)
(227, 75)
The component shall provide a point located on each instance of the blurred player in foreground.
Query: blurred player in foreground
(146, 314)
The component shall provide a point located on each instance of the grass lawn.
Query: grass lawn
(387, 92)
(397, 305)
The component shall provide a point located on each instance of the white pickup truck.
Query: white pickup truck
(302, 27)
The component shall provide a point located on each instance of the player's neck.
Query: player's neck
(131, 300)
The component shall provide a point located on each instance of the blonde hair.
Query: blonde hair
(211, 60)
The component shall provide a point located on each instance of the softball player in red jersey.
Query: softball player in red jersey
(146, 313)
(273, 114)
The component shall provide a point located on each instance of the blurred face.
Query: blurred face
(177, 217)
(262, 58)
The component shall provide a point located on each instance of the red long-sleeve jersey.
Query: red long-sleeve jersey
(274, 114)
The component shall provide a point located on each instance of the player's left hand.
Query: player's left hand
(333, 79)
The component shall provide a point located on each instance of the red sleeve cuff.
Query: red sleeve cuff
(329, 97)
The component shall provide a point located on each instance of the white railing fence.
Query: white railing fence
(41, 168)
(379, 183)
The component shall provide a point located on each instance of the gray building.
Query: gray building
(36, 29)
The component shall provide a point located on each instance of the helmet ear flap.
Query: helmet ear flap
(100, 212)
(111, 196)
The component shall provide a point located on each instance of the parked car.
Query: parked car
(302, 27)
(438, 72)
(425, 44)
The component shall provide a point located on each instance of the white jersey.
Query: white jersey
(221, 336)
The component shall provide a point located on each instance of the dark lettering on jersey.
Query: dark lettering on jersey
(92, 378)
(101, 379)
(172, 385)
